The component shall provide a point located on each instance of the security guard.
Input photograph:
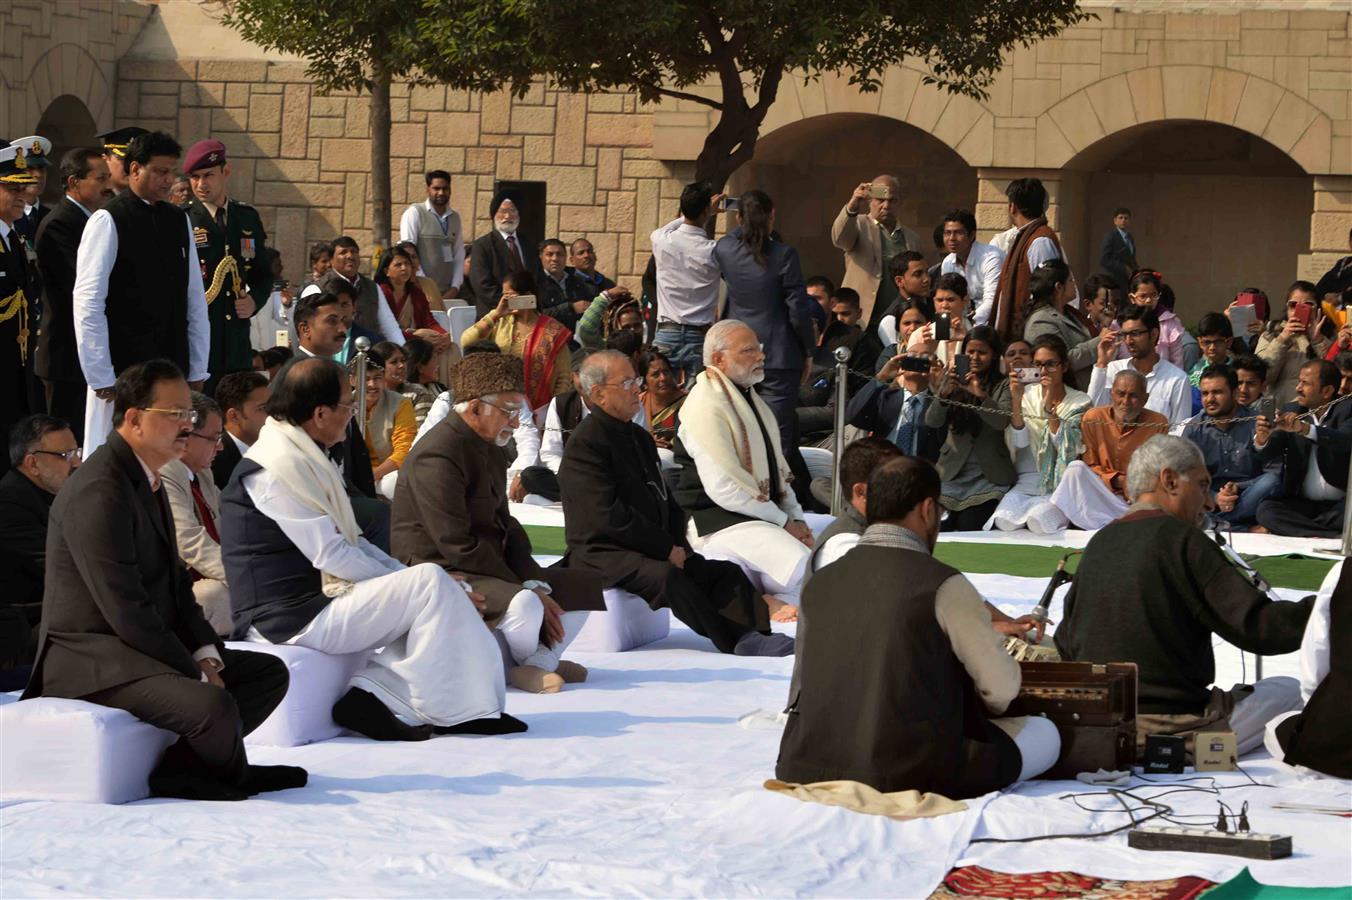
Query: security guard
(115, 152)
(16, 321)
(232, 248)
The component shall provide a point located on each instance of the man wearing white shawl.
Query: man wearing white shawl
(300, 573)
(734, 480)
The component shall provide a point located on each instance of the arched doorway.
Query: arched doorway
(1214, 208)
(811, 166)
(67, 123)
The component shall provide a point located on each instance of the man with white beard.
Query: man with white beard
(734, 481)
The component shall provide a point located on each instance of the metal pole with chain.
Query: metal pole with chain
(842, 355)
(359, 373)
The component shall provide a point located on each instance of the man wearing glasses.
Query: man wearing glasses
(120, 625)
(195, 502)
(42, 453)
(451, 509)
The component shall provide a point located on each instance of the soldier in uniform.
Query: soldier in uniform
(232, 249)
(36, 150)
(115, 153)
(16, 287)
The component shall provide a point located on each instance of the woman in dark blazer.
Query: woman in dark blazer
(974, 464)
(766, 291)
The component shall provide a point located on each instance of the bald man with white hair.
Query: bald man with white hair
(735, 482)
(868, 232)
(1152, 588)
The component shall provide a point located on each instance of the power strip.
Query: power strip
(1249, 844)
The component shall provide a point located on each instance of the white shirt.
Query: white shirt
(551, 442)
(410, 222)
(982, 271)
(93, 265)
(1170, 392)
(386, 323)
(316, 534)
(687, 275)
(730, 495)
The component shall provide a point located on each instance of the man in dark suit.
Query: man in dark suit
(120, 626)
(623, 523)
(85, 176)
(1117, 252)
(1314, 453)
(43, 453)
(766, 291)
(497, 254)
(892, 405)
(243, 399)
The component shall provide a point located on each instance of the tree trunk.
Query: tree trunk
(380, 159)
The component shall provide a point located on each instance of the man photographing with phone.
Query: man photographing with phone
(868, 232)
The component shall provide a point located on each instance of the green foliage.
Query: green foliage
(343, 43)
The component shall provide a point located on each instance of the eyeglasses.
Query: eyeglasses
(217, 439)
(178, 415)
(67, 455)
(513, 412)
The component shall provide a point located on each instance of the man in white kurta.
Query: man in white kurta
(151, 161)
(436, 669)
(735, 483)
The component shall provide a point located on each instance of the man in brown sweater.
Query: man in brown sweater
(1093, 490)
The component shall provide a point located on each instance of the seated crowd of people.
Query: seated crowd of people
(253, 505)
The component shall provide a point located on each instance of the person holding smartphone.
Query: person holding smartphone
(974, 463)
(1288, 343)
(1044, 434)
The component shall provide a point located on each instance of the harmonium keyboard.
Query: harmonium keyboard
(1092, 705)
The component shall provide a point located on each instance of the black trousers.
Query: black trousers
(211, 722)
(540, 480)
(1294, 517)
(711, 596)
(66, 401)
(779, 390)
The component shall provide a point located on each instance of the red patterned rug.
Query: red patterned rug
(976, 883)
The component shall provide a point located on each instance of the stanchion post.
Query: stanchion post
(359, 373)
(842, 356)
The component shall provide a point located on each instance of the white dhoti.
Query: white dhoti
(98, 422)
(773, 559)
(1038, 741)
(437, 663)
(214, 598)
(521, 625)
(1085, 500)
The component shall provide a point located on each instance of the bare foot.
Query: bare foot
(779, 610)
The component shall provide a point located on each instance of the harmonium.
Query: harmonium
(1092, 705)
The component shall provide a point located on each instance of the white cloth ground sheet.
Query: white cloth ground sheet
(639, 782)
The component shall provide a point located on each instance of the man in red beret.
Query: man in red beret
(232, 248)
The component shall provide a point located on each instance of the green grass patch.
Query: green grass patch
(1297, 573)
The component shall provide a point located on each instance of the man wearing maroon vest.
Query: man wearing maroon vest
(1034, 243)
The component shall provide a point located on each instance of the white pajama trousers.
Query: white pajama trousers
(773, 559)
(436, 662)
(521, 625)
(1085, 499)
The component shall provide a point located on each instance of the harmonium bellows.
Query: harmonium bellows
(1092, 705)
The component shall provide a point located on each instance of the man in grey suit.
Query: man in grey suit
(120, 626)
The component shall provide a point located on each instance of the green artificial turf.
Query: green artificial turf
(1020, 560)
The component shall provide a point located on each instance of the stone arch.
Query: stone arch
(1223, 96)
(69, 69)
(962, 124)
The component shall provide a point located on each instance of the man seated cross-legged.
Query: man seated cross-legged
(623, 523)
(904, 678)
(120, 625)
(300, 573)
